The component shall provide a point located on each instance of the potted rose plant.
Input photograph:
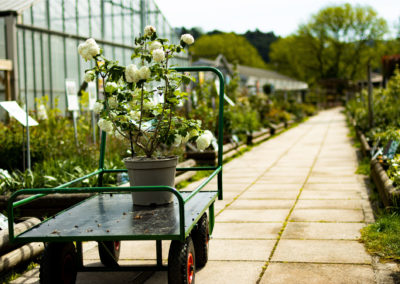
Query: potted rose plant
(140, 104)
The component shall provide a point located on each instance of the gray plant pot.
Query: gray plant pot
(144, 171)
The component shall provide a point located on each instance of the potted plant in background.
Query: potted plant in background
(140, 104)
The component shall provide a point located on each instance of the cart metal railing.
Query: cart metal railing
(67, 187)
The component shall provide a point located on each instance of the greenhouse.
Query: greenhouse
(39, 39)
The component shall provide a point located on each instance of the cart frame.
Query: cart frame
(183, 198)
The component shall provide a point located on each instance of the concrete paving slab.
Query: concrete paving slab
(229, 195)
(220, 205)
(335, 186)
(246, 230)
(327, 215)
(348, 180)
(332, 171)
(298, 180)
(329, 204)
(276, 186)
(321, 251)
(32, 277)
(134, 250)
(261, 204)
(29, 277)
(234, 187)
(330, 194)
(221, 272)
(270, 194)
(310, 273)
(270, 215)
(322, 231)
(254, 250)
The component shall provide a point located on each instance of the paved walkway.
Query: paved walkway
(291, 213)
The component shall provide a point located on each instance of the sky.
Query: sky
(280, 16)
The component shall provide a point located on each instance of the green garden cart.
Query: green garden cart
(109, 217)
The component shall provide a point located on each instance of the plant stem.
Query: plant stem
(131, 140)
(141, 115)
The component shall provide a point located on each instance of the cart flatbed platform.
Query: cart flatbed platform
(113, 217)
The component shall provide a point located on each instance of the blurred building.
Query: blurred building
(255, 78)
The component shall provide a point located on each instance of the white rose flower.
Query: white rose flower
(155, 45)
(98, 107)
(208, 133)
(131, 73)
(187, 38)
(144, 73)
(149, 30)
(111, 87)
(203, 141)
(134, 115)
(158, 55)
(177, 141)
(106, 126)
(88, 49)
(89, 76)
(113, 102)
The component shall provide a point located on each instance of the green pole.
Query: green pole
(42, 63)
(65, 54)
(102, 20)
(28, 151)
(33, 62)
(220, 118)
(49, 50)
(77, 41)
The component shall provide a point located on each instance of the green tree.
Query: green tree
(234, 47)
(196, 32)
(337, 42)
(261, 41)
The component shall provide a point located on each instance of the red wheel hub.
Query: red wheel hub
(190, 268)
(117, 245)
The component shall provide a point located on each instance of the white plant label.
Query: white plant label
(18, 113)
(72, 97)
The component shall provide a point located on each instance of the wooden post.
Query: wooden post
(6, 66)
(12, 53)
(370, 99)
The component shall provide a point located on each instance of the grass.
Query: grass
(364, 167)
(382, 238)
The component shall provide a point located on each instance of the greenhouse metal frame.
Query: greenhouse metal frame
(41, 38)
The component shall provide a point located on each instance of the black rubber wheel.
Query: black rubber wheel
(201, 237)
(181, 262)
(109, 252)
(59, 264)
